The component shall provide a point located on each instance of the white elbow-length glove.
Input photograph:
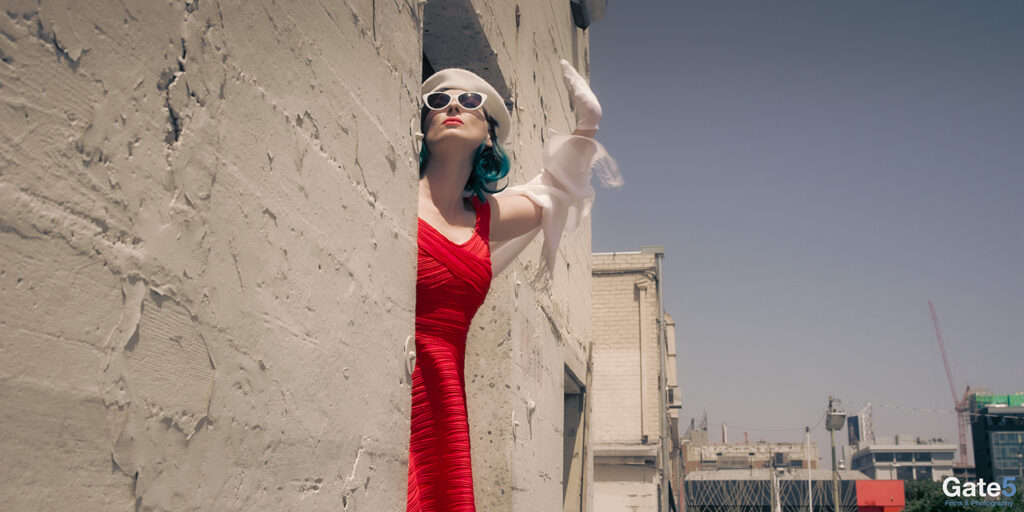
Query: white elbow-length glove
(562, 189)
(588, 109)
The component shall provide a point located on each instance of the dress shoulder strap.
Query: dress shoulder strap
(483, 217)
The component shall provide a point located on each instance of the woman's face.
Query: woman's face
(454, 128)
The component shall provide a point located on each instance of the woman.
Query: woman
(464, 122)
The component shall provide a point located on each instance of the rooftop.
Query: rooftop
(765, 474)
(1002, 410)
(908, 448)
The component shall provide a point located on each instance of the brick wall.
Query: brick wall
(625, 348)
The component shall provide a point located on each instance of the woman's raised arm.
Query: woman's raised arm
(559, 197)
(513, 216)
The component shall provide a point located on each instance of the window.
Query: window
(924, 457)
(905, 473)
(1005, 449)
(1007, 437)
(1005, 456)
(924, 473)
(883, 457)
(905, 457)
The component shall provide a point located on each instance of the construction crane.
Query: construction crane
(962, 405)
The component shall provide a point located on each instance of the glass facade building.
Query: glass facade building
(998, 435)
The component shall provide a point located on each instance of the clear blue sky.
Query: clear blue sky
(817, 171)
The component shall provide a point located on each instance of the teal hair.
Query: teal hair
(490, 164)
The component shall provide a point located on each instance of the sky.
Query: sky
(817, 172)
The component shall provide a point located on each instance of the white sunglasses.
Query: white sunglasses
(467, 100)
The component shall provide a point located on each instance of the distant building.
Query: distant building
(740, 477)
(904, 458)
(757, 490)
(965, 473)
(675, 403)
(860, 428)
(709, 457)
(880, 495)
(634, 418)
(997, 429)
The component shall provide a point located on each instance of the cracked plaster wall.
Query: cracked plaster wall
(207, 227)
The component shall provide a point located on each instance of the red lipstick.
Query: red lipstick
(452, 120)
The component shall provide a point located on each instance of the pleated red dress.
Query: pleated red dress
(451, 283)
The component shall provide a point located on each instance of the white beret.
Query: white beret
(455, 78)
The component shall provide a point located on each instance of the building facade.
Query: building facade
(634, 439)
(997, 430)
(674, 403)
(208, 228)
(703, 456)
(778, 488)
(904, 458)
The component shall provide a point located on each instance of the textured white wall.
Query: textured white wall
(207, 236)
(619, 487)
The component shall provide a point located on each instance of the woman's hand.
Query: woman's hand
(588, 109)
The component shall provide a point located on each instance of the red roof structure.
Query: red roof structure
(880, 496)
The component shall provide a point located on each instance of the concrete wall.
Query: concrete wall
(625, 487)
(523, 339)
(207, 229)
(207, 223)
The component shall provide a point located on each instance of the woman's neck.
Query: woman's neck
(442, 184)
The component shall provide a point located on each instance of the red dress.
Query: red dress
(451, 283)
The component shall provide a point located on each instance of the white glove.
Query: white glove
(563, 192)
(588, 110)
